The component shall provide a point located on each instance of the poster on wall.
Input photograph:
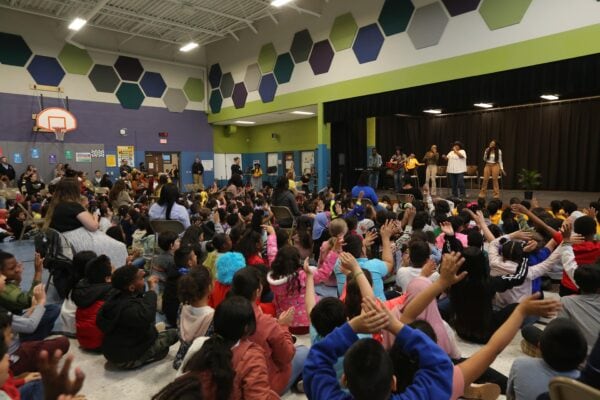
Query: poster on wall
(52, 159)
(111, 160)
(68, 155)
(289, 161)
(207, 164)
(83, 157)
(125, 153)
(308, 161)
(272, 161)
(97, 153)
(17, 158)
(35, 152)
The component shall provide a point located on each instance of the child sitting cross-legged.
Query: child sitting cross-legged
(89, 295)
(184, 259)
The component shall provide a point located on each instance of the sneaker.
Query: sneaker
(484, 391)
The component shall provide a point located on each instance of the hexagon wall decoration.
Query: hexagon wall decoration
(14, 50)
(502, 13)
(214, 75)
(215, 101)
(343, 32)
(321, 57)
(175, 100)
(75, 60)
(104, 78)
(395, 15)
(129, 68)
(268, 88)
(267, 58)
(301, 46)
(252, 78)
(284, 66)
(427, 26)
(130, 95)
(368, 43)
(46, 70)
(457, 7)
(194, 89)
(239, 95)
(153, 84)
(227, 85)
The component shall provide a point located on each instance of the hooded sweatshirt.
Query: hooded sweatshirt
(89, 298)
(127, 321)
(585, 253)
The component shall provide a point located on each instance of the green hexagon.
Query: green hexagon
(501, 13)
(130, 95)
(75, 60)
(284, 68)
(267, 58)
(194, 89)
(343, 32)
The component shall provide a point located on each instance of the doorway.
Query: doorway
(163, 162)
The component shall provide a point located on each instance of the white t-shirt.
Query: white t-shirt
(406, 274)
(457, 165)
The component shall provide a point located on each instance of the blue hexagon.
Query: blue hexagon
(153, 84)
(284, 66)
(267, 88)
(46, 71)
(214, 76)
(216, 101)
(368, 43)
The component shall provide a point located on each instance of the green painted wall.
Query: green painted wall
(293, 135)
(575, 43)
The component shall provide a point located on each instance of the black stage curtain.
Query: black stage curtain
(562, 140)
(348, 152)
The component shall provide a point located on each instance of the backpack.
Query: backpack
(58, 258)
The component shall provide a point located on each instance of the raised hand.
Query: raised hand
(269, 229)
(306, 267)
(530, 246)
(39, 294)
(369, 238)
(541, 308)
(287, 317)
(348, 263)
(451, 263)
(447, 228)
(39, 262)
(521, 235)
(428, 268)
(519, 209)
(57, 381)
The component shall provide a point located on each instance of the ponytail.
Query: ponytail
(185, 387)
(215, 358)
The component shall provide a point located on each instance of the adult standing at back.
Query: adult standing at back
(167, 207)
(6, 169)
(198, 172)
(493, 166)
(457, 166)
(125, 168)
(374, 165)
(236, 168)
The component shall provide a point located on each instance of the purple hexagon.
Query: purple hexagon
(267, 88)
(367, 45)
(239, 95)
(457, 7)
(214, 76)
(46, 71)
(129, 68)
(321, 57)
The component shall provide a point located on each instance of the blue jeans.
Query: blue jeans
(297, 365)
(46, 324)
(398, 178)
(33, 390)
(374, 179)
(457, 183)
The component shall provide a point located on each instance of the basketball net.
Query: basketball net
(60, 134)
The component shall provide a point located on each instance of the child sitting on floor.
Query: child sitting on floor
(184, 259)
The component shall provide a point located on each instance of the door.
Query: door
(154, 163)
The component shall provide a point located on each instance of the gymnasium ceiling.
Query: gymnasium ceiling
(170, 22)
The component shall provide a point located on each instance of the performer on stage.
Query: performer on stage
(375, 166)
(457, 166)
(411, 165)
(431, 159)
(493, 166)
(398, 160)
(236, 169)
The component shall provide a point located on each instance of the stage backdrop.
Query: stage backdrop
(562, 141)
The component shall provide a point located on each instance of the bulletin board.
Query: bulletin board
(222, 165)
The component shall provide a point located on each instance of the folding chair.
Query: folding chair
(441, 174)
(472, 174)
(101, 190)
(284, 214)
(29, 220)
(562, 388)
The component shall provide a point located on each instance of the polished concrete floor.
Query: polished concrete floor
(143, 383)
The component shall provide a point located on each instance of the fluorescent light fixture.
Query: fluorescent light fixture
(279, 3)
(245, 122)
(433, 111)
(188, 47)
(484, 105)
(302, 113)
(549, 96)
(77, 24)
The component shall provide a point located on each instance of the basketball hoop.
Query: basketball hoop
(60, 134)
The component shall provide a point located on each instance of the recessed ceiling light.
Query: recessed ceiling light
(484, 105)
(302, 113)
(279, 3)
(549, 96)
(433, 111)
(245, 122)
(188, 47)
(77, 24)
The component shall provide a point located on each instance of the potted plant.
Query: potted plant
(529, 180)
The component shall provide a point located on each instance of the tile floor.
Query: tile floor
(143, 383)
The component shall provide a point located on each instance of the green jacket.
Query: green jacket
(14, 299)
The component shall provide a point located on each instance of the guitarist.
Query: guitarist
(398, 161)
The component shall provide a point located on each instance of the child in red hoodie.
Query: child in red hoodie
(89, 295)
(583, 253)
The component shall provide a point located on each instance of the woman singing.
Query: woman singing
(457, 166)
(493, 166)
(431, 160)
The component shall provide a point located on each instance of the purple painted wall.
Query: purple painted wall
(100, 123)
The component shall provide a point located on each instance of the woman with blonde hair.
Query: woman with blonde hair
(119, 195)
